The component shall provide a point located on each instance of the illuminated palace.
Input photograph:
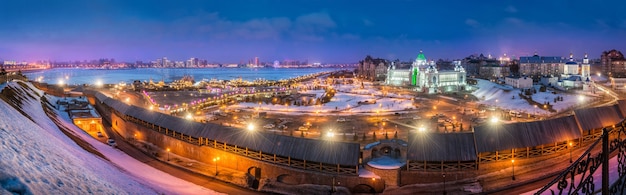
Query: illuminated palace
(425, 77)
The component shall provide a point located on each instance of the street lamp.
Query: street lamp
(570, 152)
(215, 161)
(168, 154)
(250, 127)
(444, 184)
(513, 166)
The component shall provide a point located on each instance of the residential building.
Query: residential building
(519, 82)
(537, 66)
(613, 64)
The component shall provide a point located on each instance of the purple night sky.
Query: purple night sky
(320, 31)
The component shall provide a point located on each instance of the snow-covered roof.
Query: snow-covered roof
(323, 151)
(598, 117)
(500, 136)
(441, 147)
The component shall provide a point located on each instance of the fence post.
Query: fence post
(605, 161)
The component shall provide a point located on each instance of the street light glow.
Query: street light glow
(330, 133)
(189, 117)
(250, 127)
(494, 119)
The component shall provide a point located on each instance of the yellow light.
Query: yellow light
(513, 161)
(494, 119)
(168, 149)
(250, 127)
(189, 117)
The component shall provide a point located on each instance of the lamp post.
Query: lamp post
(513, 166)
(215, 161)
(168, 154)
(444, 184)
(570, 152)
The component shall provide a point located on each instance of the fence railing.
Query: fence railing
(578, 177)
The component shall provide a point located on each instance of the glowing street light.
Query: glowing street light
(168, 154)
(188, 117)
(494, 119)
(250, 127)
(98, 83)
(581, 98)
(215, 161)
(513, 166)
(330, 133)
(421, 129)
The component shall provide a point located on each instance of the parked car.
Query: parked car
(269, 126)
(303, 128)
(341, 120)
(111, 142)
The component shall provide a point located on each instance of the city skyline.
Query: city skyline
(320, 31)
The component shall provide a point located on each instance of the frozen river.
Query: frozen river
(91, 76)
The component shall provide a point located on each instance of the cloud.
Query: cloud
(472, 23)
(367, 22)
(315, 22)
(510, 9)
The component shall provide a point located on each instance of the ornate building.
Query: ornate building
(373, 69)
(575, 74)
(425, 77)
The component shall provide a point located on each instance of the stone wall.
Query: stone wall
(236, 162)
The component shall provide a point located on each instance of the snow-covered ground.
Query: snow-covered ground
(385, 162)
(493, 94)
(37, 158)
(345, 102)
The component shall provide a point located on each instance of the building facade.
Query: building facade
(519, 82)
(373, 69)
(613, 64)
(425, 76)
(537, 66)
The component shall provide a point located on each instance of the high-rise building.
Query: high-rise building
(613, 64)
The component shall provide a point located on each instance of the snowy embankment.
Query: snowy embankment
(507, 97)
(37, 158)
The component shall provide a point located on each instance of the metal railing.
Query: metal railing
(578, 177)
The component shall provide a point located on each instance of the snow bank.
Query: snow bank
(37, 158)
(38, 162)
(506, 97)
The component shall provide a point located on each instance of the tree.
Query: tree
(395, 135)
(386, 135)
(374, 136)
(355, 137)
(301, 133)
(461, 127)
(363, 139)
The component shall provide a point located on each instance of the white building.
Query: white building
(425, 77)
(576, 75)
(519, 82)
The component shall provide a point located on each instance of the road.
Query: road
(198, 179)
